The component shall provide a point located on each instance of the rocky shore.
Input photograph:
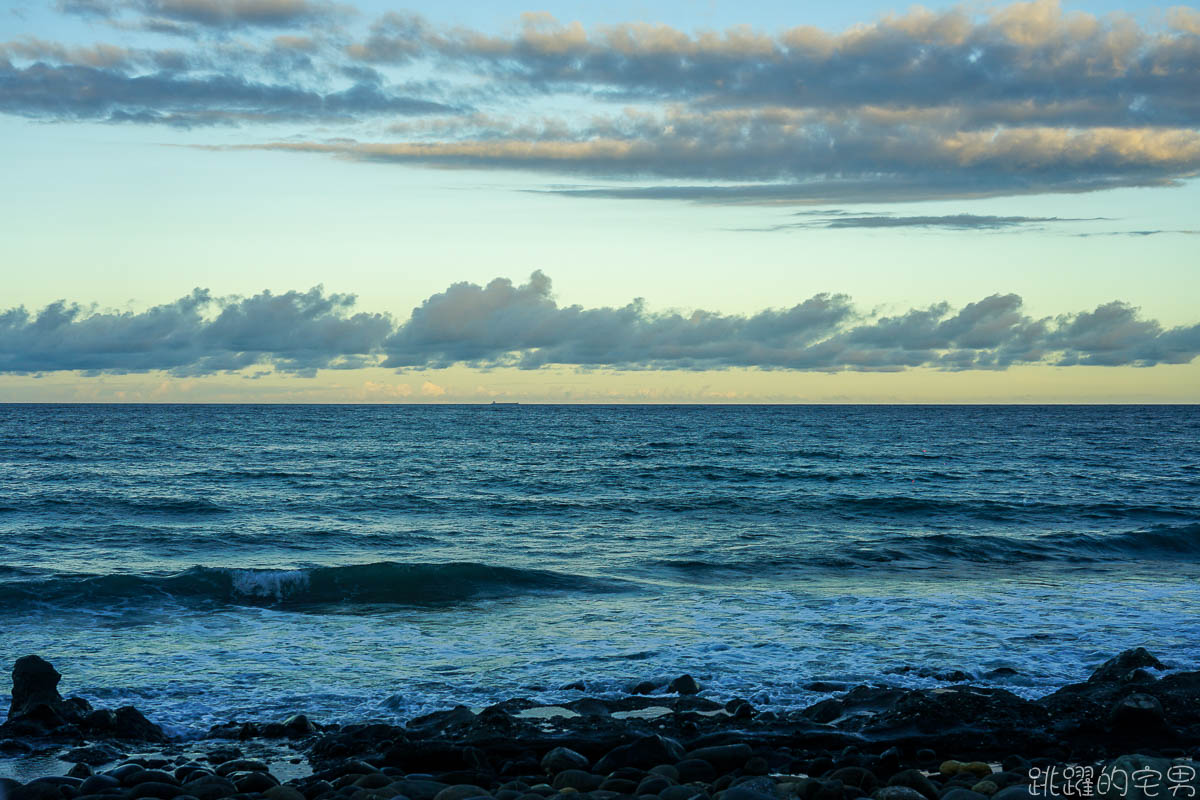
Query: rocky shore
(1131, 730)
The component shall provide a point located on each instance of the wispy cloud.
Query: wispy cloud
(954, 222)
(505, 324)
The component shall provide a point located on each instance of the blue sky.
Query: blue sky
(997, 201)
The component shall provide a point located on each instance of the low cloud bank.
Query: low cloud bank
(504, 324)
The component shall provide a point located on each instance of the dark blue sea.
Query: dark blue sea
(208, 563)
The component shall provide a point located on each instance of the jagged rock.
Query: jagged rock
(684, 684)
(1123, 667)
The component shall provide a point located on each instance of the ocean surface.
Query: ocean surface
(209, 563)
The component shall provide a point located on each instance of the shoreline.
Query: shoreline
(63, 749)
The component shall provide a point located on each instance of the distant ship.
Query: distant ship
(498, 403)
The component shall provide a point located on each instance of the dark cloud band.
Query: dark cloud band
(508, 325)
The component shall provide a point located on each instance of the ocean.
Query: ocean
(209, 563)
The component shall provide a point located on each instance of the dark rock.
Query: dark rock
(132, 724)
(462, 792)
(156, 790)
(93, 755)
(724, 758)
(34, 683)
(897, 793)
(149, 776)
(577, 779)
(561, 758)
(756, 788)
(79, 770)
(916, 780)
(683, 793)
(643, 753)
(1138, 714)
(589, 707)
(253, 782)
(1120, 667)
(646, 687)
(825, 711)
(418, 789)
(98, 784)
(220, 755)
(298, 725)
(856, 776)
(35, 791)
(960, 793)
(692, 770)
(684, 684)
(1000, 672)
(619, 785)
(241, 765)
(653, 784)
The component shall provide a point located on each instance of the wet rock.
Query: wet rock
(461, 792)
(92, 755)
(915, 779)
(1138, 714)
(723, 758)
(642, 753)
(34, 683)
(692, 770)
(561, 758)
(1121, 667)
(858, 777)
(825, 711)
(897, 793)
(962, 794)
(577, 779)
(684, 684)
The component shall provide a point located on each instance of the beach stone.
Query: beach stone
(374, 780)
(653, 784)
(619, 785)
(756, 788)
(93, 755)
(825, 711)
(1138, 713)
(220, 755)
(419, 789)
(916, 780)
(1122, 667)
(693, 769)
(723, 757)
(132, 724)
(859, 777)
(242, 765)
(988, 788)
(1008, 793)
(255, 782)
(35, 791)
(577, 779)
(98, 784)
(148, 776)
(978, 768)
(643, 753)
(561, 758)
(756, 765)
(298, 725)
(283, 793)
(667, 771)
(684, 684)
(155, 789)
(683, 792)
(959, 793)
(897, 793)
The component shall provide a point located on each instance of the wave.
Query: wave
(1179, 543)
(385, 583)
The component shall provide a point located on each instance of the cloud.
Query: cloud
(504, 324)
(810, 157)
(964, 102)
(78, 91)
(954, 222)
(292, 332)
(187, 17)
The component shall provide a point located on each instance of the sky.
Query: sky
(310, 201)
